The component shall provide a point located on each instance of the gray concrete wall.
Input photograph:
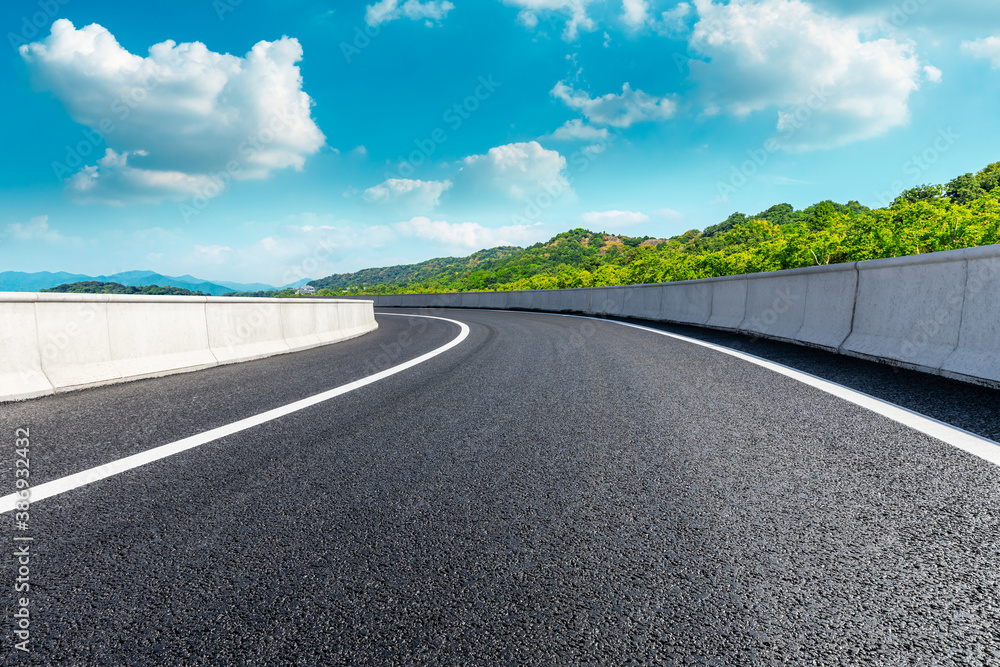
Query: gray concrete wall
(938, 313)
(52, 342)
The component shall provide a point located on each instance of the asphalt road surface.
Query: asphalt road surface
(552, 490)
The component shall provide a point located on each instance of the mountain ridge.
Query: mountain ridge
(20, 281)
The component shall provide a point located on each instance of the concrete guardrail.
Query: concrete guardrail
(52, 342)
(938, 312)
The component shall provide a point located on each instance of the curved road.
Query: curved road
(551, 490)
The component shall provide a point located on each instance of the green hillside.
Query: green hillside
(962, 213)
(95, 287)
(442, 268)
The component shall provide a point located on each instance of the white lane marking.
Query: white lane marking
(76, 480)
(984, 448)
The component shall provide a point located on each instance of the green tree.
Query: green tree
(919, 193)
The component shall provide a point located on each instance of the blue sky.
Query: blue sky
(256, 140)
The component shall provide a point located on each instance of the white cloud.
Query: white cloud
(987, 48)
(674, 22)
(178, 115)
(113, 181)
(423, 194)
(631, 106)
(635, 13)
(613, 219)
(574, 11)
(519, 170)
(932, 73)
(467, 235)
(830, 88)
(576, 129)
(36, 229)
(528, 19)
(390, 10)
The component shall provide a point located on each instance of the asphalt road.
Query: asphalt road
(551, 491)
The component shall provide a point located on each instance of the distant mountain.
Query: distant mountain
(243, 287)
(297, 284)
(143, 278)
(17, 281)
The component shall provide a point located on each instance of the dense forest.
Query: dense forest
(962, 213)
(95, 287)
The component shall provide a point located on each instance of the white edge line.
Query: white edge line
(984, 448)
(76, 480)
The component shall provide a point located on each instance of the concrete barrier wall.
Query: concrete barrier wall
(20, 353)
(775, 307)
(52, 343)
(829, 306)
(977, 354)
(729, 303)
(938, 313)
(645, 302)
(244, 330)
(147, 337)
(908, 309)
(688, 302)
(74, 340)
(812, 306)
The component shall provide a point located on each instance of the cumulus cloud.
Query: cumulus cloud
(987, 48)
(467, 235)
(574, 11)
(932, 73)
(389, 10)
(613, 219)
(424, 194)
(36, 229)
(829, 87)
(178, 115)
(519, 170)
(635, 12)
(632, 106)
(577, 130)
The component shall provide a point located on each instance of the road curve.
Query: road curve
(552, 490)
